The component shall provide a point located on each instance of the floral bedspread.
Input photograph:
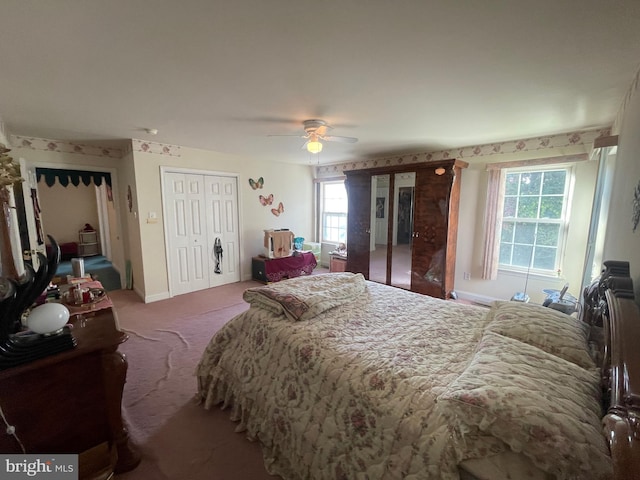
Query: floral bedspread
(523, 399)
(350, 393)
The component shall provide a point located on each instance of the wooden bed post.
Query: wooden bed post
(611, 304)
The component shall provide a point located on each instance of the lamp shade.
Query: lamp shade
(314, 146)
(48, 317)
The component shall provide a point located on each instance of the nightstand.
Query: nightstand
(337, 263)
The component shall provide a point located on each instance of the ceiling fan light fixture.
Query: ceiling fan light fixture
(314, 146)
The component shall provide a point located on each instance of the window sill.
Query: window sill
(531, 274)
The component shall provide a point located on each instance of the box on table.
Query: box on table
(278, 243)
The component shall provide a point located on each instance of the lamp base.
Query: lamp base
(520, 297)
(24, 348)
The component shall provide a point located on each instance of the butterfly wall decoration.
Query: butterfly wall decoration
(268, 200)
(256, 184)
(279, 210)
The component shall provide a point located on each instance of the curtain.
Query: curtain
(74, 176)
(492, 224)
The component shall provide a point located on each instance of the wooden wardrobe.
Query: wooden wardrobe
(403, 224)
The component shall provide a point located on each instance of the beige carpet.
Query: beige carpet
(178, 438)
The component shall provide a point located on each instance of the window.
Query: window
(333, 211)
(534, 218)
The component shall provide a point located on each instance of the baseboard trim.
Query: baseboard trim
(154, 298)
(475, 298)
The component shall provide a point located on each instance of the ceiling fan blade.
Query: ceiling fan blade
(334, 138)
(298, 136)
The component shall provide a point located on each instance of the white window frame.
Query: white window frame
(563, 221)
(323, 215)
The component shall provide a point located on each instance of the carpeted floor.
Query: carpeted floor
(179, 439)
(100, 269)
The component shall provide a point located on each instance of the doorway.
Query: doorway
(60, 201)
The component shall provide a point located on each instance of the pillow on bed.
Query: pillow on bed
(552, 331)
(536, 403)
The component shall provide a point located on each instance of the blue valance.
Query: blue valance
(74, 176)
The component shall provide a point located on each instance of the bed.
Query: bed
(342, 378)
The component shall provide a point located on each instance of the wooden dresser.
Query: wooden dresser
(71, 402)
(407, 237)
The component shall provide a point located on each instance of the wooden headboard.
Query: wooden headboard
(609, 303)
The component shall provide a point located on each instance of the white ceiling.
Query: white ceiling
(402, 76)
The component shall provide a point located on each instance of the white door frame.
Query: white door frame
(30, 182)
(189, 171)
(117, 263)
(103, 220)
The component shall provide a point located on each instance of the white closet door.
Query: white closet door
(221, 194)
(187, 233)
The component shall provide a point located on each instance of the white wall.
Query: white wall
(290, 184)
(129, 223)
(621, 243)
(65, 210)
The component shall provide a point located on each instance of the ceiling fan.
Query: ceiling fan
(316, 133)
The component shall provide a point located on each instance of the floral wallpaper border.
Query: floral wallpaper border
(135, 145)
(515, 146)
(63, 147)
(145, 146)
(465, 153)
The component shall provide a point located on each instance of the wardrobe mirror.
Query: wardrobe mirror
(402, 237)
(379, 228)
